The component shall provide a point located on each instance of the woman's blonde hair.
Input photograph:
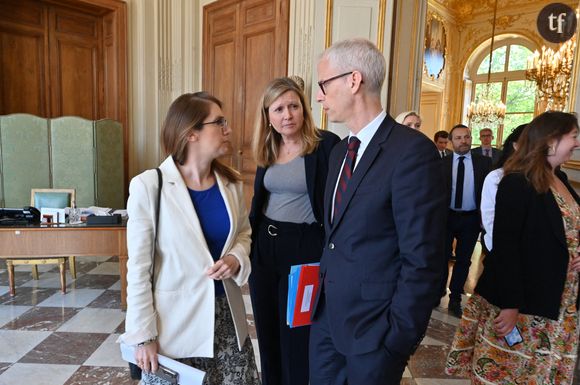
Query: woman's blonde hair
(266, 141)
(185, 116)
(531, 158)
(403, 115)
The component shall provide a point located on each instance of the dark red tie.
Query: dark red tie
(347, 168)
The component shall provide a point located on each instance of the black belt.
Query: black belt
(276, 227)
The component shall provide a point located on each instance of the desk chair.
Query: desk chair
(49, 198)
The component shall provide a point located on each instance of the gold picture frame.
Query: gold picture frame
(435, 51)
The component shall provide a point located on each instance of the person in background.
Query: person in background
(486, 149)
(464, 175)
(286, 217)
(521, 324)
(409, 119)
(441, 139)
(195, 313)
(383, 257)
(490, 187)
(298, 80)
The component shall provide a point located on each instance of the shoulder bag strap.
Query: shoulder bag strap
(160, 184)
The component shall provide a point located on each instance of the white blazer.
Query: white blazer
(182, 313)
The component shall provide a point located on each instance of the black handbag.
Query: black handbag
(135, 370)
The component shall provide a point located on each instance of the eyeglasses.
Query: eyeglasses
(323, 83)
(221, 122)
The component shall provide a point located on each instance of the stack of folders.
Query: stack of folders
(302, 287)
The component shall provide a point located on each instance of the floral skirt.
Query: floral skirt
(546, 356)
(229, 366)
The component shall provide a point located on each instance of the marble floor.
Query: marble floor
(48, 338)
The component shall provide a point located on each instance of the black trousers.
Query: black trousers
(277, 246)
(464, 227)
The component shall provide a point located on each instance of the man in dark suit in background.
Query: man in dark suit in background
(465, 172)
(383, 260)
(441, 139)
(486, 149)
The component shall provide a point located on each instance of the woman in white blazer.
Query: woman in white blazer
(195, 313)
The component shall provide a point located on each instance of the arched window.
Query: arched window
(507, 83)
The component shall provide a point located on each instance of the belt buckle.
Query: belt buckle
(271, 230)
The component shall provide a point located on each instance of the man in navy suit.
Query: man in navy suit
(465, 172)
(441, 139)
(384, 215)
(486, 149)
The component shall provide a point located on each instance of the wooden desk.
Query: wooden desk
(61, 241)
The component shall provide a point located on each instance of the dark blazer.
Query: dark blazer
(447, 152)
(495, 153)
(481, 167)
(527, 267)
(316, 167)
(383, 259)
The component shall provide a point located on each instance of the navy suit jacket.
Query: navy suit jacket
(495, 153)
(383, 261)
(316, 168)
(447, 152)
(481, 167)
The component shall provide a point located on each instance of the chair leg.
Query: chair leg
(72, 266)
(35, 272)
(62, 267)
(10, 267)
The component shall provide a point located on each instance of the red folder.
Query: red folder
(305, 292)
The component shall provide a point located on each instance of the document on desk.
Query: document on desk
(187, 374)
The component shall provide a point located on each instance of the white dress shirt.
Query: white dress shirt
(488, 204)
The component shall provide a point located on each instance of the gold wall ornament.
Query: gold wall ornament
(485, 110)
(551, 71)
(506, 21)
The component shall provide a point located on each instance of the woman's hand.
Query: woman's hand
(146, 357)
(224, 268)
(506, 321)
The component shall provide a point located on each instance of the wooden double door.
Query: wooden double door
(64, 57)
(245, 46)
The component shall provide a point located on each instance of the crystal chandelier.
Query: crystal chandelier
(551, 71)
(485, 110)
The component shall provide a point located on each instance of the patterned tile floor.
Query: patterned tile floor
(48, 338)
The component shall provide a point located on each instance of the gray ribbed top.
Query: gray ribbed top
(288, 199)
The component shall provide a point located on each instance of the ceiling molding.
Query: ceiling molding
(464, 12)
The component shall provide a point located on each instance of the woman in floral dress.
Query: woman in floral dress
(529, 287)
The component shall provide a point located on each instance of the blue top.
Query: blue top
(215, 222)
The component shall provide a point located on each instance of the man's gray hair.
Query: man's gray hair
(361, 55)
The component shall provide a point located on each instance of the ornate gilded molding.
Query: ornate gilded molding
(574, 81)
(381, 26)
(506, 21)
(328, 24)
(327, 43)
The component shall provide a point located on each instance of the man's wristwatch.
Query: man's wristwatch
(150, 340)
